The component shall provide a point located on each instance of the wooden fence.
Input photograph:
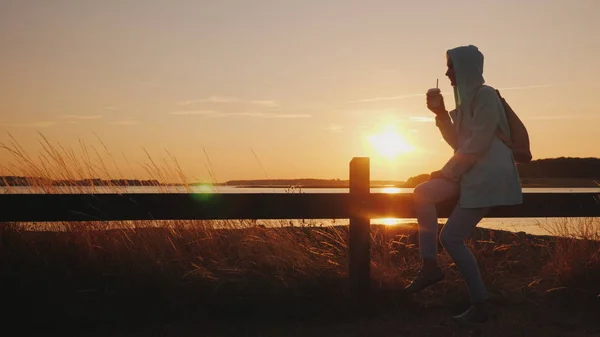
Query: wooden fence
(359, 205)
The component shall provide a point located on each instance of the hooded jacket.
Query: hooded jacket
(482, 163)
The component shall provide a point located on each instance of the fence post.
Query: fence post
(360, 234)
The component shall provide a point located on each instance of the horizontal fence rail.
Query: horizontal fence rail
(111, 207)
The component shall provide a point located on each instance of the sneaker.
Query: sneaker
(476, 314)
(426, 277)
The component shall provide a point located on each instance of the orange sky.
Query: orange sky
(302, 84)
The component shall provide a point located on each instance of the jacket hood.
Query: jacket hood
(468, 67)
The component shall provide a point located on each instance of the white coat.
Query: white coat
(482, 163)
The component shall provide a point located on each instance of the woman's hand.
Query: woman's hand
(436, 175)
(435, 103)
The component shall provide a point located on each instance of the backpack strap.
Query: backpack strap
(505, 139)
(473, 101)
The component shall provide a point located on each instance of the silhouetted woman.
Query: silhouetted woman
(482, 173)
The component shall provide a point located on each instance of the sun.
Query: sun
(389, 144)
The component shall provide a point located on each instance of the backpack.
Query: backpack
(519, 137)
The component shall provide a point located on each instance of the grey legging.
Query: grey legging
(459, 225)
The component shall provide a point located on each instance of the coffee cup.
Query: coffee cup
(434, 97)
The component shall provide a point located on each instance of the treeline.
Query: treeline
(34, 181)
(562, 171)
(551, 172)
(323, 183)
(562, 167)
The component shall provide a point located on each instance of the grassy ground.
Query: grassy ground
(252, 281)
(188, 278)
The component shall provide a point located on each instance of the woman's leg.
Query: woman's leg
(425, 198)
(460, 224)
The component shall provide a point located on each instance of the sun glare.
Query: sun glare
(389, 144)
(389, 221)
(391, 190)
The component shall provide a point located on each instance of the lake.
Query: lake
(234, 189)
(529, 225)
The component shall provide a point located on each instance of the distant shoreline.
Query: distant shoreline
(19, 181)
(307, 186)
(525, 183)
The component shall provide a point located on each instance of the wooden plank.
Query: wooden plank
(535, 205)
(107, 207)
(360, 231)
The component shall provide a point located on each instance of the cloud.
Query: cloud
(525, 87)
(263, 115)
(225, 99)
(335, 128)
(111, 108)
(291, 116)
(216, 114)
(240, 114)
(212, 99)
(81, 117)
(387, 98)
(40, 124)
(270, 104)
(125, 122)
(148, 83)
(193, 112)
(286, 116)
(561, 117)
(542, 118)
(422, 119)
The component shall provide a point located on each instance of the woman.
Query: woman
(482, 173)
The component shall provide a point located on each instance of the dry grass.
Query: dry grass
(124, 273)
(576, 260)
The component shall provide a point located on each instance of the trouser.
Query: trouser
(460, 224)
